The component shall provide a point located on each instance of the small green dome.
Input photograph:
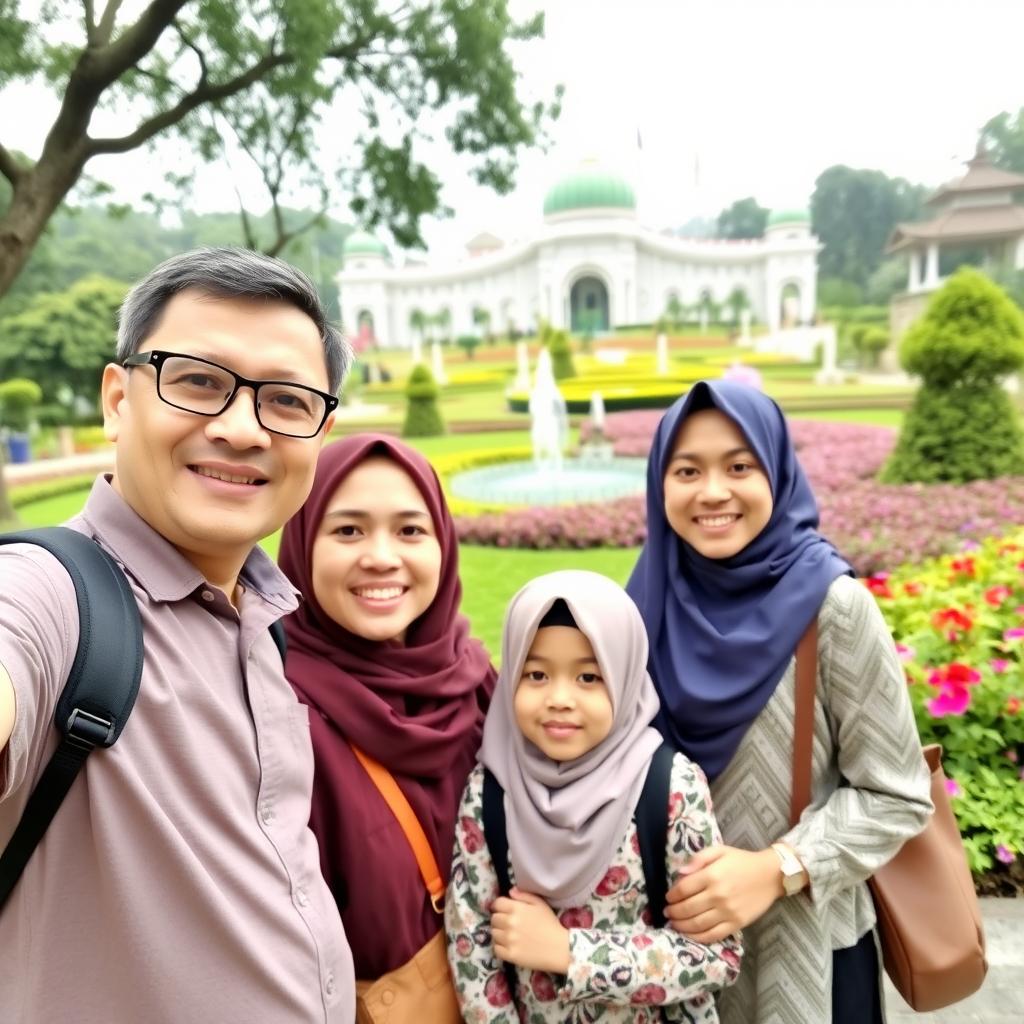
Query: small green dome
(777, 217)
(589, 188)
(362, 243)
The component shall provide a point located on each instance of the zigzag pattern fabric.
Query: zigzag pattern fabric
(870, 793)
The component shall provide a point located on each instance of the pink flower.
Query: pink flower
(615, 878)
(648, 995)
(995, 596)
(543, 987)
(999, 665)
(472, 836)
(576, 917)
(496, 990)
(1005, 854)
(1011, 756)
(953, 699)
(905, 652)
(953, 787)
(1013, 634)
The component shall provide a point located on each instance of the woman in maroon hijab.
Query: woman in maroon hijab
(380, 653)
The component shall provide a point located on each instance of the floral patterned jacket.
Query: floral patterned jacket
(621, 968)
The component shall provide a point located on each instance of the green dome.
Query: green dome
(587, 189)
(362, 243)
(777, 217)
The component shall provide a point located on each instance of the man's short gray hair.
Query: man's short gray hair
(228, 273)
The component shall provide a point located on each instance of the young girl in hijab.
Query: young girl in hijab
(382, 657)
(568, 739)
(731, 576)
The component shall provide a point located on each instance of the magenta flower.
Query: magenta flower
(953, 787)
(1013, 634)
(953, 699)
(1005, 854)
(999, 665)
(905, 652)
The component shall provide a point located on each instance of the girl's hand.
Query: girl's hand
(722, 890)
(526, 932)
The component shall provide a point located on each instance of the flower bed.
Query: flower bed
(959, 624)
(876, 526)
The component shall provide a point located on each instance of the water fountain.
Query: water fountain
(550, 478)
(437, 363)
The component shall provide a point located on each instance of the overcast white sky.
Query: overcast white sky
(729, 98)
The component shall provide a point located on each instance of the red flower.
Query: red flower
(576, 917)
(1013, 705)
(878, 584)
(995, 596)
(463, 945)
(952, 622)
(613, 881)
(963, 567)
(955, 674)
(642, 940)
(472, 836)
(543, 987)
(496, 990)
(648, 995)
(912, 589)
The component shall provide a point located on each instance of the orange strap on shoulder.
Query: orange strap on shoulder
(402, 810)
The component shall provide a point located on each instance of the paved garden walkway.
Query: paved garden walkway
(1001, 998)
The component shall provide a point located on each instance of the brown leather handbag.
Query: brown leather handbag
(421, 990)
(929, 922)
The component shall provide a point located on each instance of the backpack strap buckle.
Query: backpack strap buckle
(88, 731)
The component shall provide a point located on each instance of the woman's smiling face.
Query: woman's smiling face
(377, 559)
(717, 495)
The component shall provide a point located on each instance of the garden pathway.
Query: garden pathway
(1001, 998)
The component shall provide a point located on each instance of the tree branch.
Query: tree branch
(90, 23)
(106, 25)
(9, 167)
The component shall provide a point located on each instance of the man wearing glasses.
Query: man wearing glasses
(179, 881)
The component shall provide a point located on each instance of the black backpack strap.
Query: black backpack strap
(652, 830)
(277, 633)
(497, 844)
(100, 690)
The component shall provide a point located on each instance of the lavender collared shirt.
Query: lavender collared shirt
(179, 881)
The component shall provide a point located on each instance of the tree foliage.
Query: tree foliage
(422, 413)
(64, 339)
(962, 425)
(744, 219)
(276, 77)
(1003, 137)
(853, 213)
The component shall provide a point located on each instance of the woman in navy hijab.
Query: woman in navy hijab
(732, 574)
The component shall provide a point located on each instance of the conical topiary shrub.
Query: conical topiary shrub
(962, 425)
(422, 413)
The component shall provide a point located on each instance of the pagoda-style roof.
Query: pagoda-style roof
(982, 176)
(963, 224)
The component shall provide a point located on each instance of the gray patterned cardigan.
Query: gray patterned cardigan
(864, 734)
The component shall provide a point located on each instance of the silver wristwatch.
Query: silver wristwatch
(792, 869)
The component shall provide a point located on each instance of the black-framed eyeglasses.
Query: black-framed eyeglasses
(206, 388)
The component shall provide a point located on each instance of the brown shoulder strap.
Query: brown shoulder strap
(402, 810)
(803, 720)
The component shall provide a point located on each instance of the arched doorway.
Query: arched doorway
(365, 337)
(789, 305)
(588, 306)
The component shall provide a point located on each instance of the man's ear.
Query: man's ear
(328, 427)
(113, 392)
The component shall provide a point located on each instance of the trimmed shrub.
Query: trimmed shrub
(469, 343)
(962, 426)
(18, 397)
(422, 415)
(871, 342)
(561, 353)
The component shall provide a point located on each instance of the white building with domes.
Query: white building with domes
(589, 263)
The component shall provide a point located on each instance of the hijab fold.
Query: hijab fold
(414, 707)
(566, 819)
(723, 631)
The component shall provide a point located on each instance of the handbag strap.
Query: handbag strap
(803, 720)
(402, 810)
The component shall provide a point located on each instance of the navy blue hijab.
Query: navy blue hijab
(722, 631)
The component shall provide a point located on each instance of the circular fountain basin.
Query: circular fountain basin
(578, 480)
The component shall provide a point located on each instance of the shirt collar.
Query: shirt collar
(160, 569)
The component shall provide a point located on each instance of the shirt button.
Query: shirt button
(387, 997)
(329, 985)
(301, 898)
(207, 595)
(268, 815)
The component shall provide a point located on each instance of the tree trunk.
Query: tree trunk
(37, 194)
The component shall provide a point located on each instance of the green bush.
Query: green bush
(18, 397)
(468, 343)
(422, 415)
(962, 425)
(871, 342)
(561, 353)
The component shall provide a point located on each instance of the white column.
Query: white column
(1018, 261)
(931, 270)
(914, 272)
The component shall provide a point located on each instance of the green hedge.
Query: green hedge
(26, 494)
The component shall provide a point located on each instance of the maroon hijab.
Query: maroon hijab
(416, 708)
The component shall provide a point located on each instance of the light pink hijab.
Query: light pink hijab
(565, 820)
